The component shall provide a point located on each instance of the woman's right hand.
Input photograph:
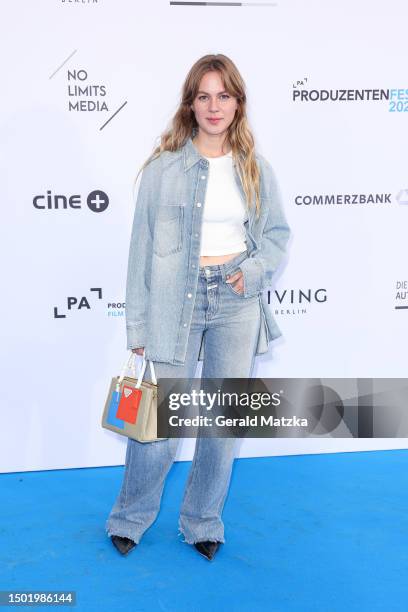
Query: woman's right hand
(138, 351)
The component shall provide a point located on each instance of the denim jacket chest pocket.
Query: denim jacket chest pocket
(169, 228)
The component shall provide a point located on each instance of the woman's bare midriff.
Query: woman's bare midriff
(210, 260)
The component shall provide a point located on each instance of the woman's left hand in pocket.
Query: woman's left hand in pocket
(237, 281)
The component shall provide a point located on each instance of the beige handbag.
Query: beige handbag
(131, 405)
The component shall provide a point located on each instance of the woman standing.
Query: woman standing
(208, 234)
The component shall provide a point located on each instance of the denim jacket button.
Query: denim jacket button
(189, 295)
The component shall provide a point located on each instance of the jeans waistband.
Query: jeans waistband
(223, 269)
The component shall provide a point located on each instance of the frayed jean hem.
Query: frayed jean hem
(123, 532)
(188, 539)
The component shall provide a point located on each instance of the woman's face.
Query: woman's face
(212, 102)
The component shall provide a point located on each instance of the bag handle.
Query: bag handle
(131, 364)
(142, 371)
(127, 365)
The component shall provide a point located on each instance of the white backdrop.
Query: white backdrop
(64, 269)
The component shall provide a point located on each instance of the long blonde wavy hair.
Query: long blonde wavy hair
(239, 136)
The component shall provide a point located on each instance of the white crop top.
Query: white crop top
(224, 213)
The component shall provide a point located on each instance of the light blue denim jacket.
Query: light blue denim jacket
(163, 263)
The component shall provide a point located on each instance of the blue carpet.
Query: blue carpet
(307, 533)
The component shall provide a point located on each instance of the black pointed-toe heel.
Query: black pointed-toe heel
(207, 549)
(124, 545)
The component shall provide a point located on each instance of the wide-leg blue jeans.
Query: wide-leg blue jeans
(228, 324)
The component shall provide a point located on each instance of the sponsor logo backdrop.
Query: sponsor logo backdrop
(87, 87)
